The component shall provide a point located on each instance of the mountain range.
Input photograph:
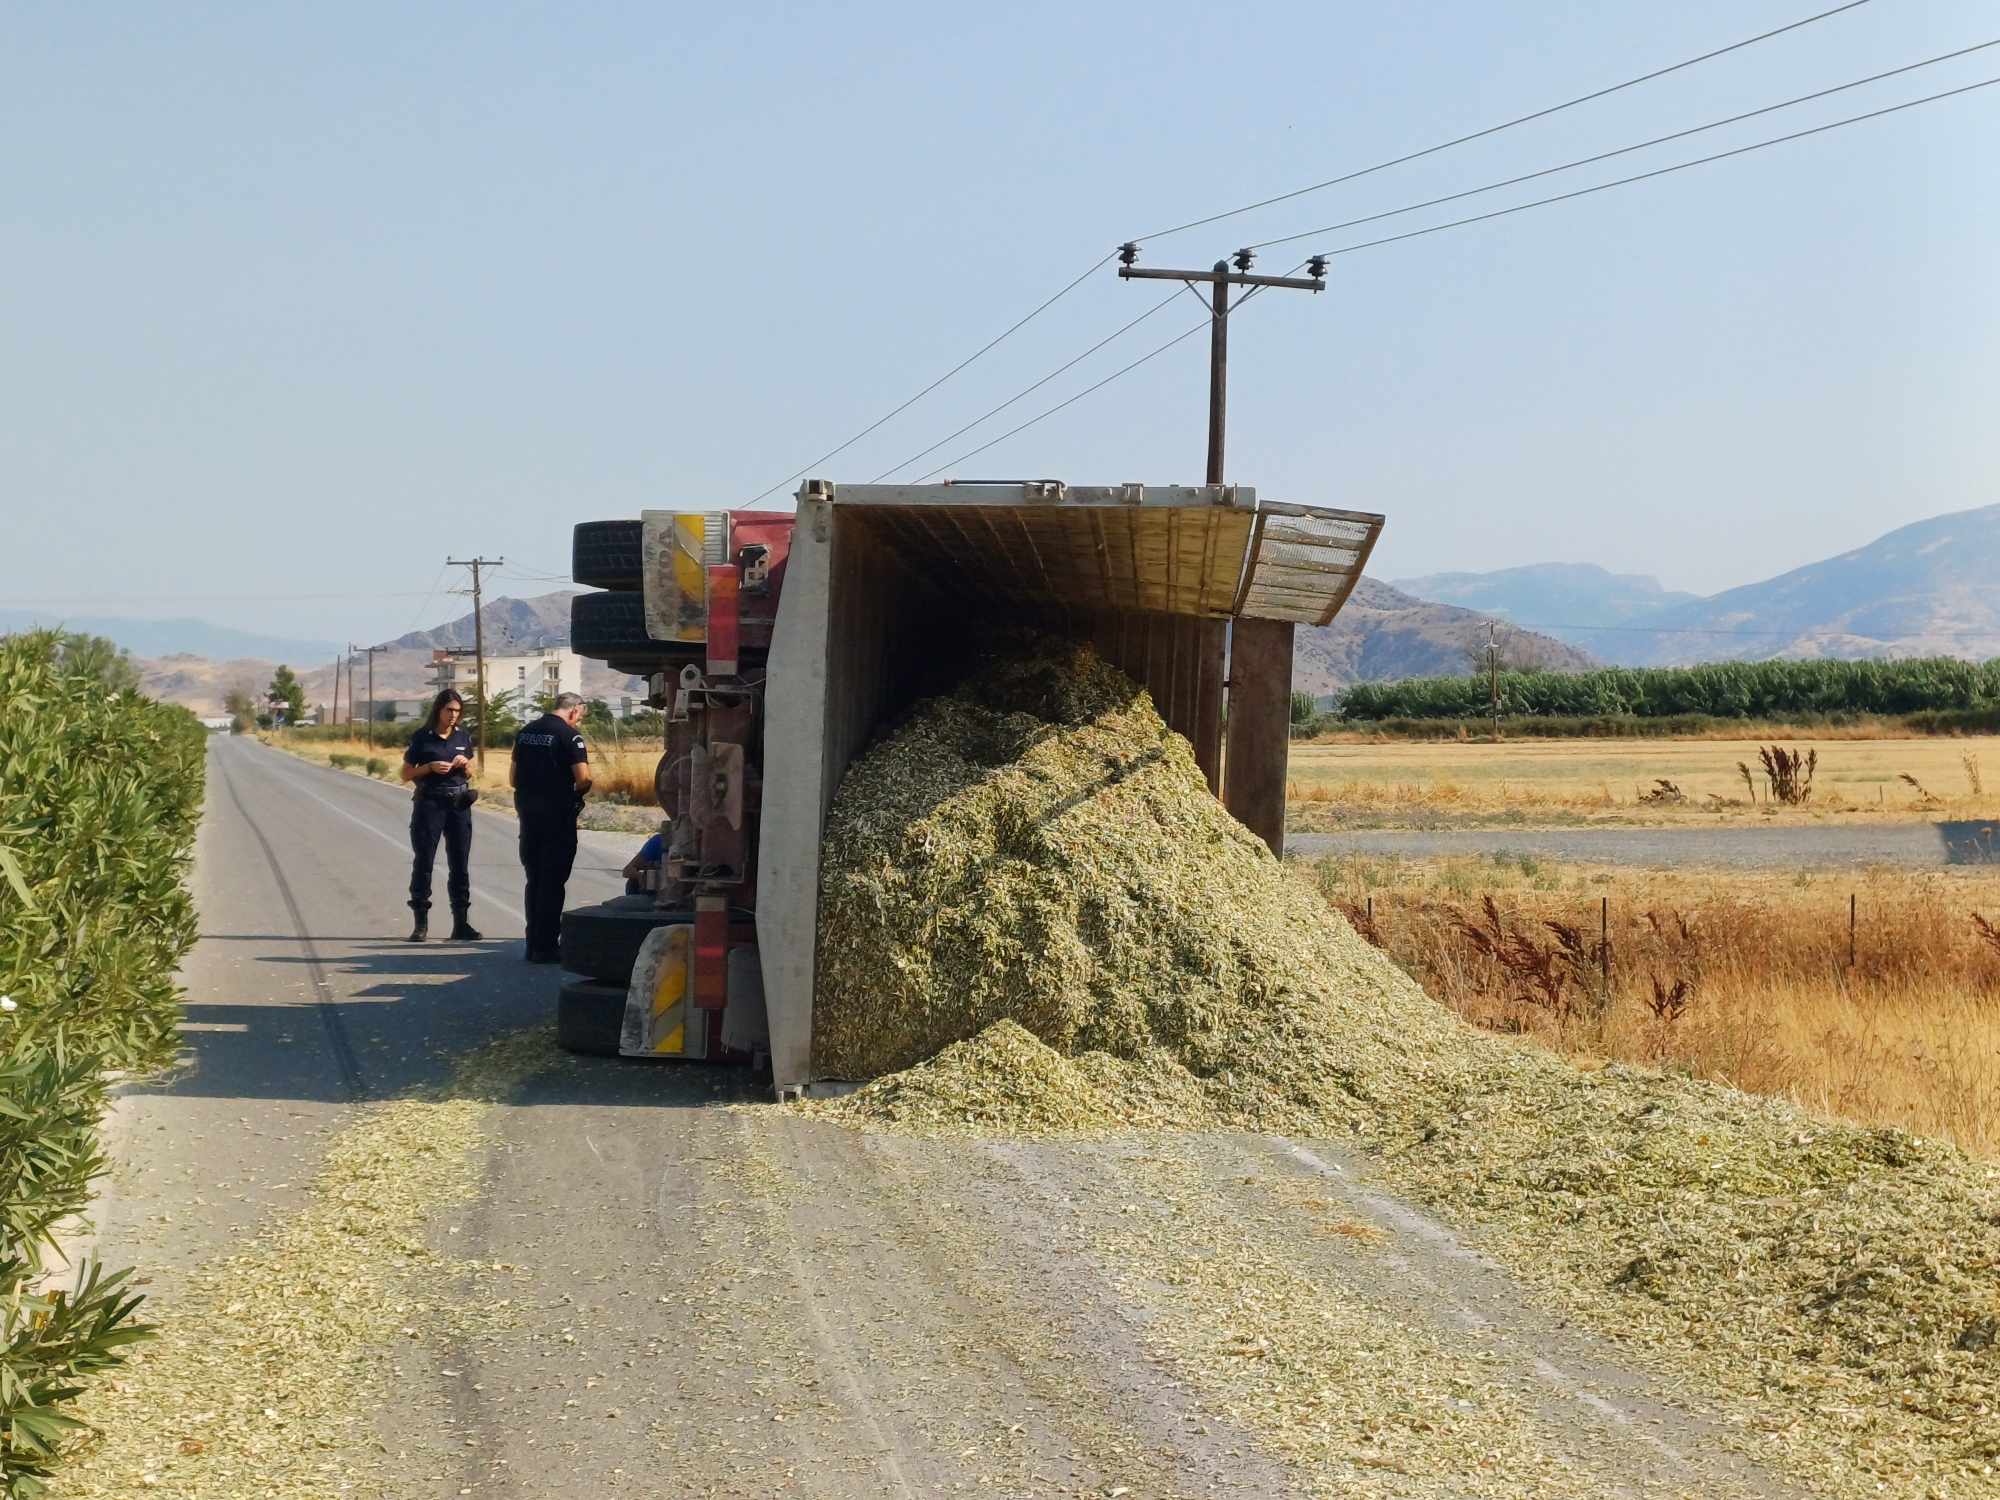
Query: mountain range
(1922, 589)
(402, 665)
(1926, 589)
(1383, 633)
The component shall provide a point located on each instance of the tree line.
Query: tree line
(1729, 690)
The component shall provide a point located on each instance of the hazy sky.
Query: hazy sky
(299, 299)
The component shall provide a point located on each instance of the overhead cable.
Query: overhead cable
(1658, 140)
(1085, 275)
(1700, 161)
(1087, 390)
(979, 353)
(1030, 390)
(1540, 114)
(1197, 328)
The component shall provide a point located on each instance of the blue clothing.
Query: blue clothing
(652, 849)
(426, 746)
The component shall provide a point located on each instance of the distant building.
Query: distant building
(216, 722)
(552, 669)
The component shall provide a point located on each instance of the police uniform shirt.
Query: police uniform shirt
(426, 745)
(544, 754)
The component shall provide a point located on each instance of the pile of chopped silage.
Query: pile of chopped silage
(1039, 848)
(1037, 921)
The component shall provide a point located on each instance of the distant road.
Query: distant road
(1911, 845)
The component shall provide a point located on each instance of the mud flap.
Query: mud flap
(660, 1017)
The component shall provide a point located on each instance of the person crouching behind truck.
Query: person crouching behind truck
(550, 774)
(642, 870)
(437, 764)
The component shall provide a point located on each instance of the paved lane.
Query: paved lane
(1912, 845)
(302, 997)
(716, 1301)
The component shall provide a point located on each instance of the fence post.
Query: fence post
(1852, 913)
(1604, 943)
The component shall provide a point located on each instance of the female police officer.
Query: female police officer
(437, 761)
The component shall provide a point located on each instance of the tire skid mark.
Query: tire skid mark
(345, 1060)
(831, 1349)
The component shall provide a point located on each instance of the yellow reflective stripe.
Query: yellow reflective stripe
(691, 576)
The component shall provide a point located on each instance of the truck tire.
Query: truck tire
(602, 941)
(605, 554)
(589, 1017)
(602, 626)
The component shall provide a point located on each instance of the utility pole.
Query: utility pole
(1493, 673)
(1259, 680)
(351, 650)
(478, 639)
(372, 651)
(334, 717)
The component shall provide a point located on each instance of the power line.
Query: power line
(1085, 275)
(979, 353)
(1539, 114)
(431, 594)
(1085, 392)
(1520, 207)
(1700, 161)
(1030, 390)
(1658, 140)
(1201, 327)
(1493, 186)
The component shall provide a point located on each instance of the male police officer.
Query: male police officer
(550, 774)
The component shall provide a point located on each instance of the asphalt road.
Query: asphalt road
(717, 1300)
(1911, 845)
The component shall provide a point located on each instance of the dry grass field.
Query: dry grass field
(622, 772)
(1355, 783)
(1740, 977)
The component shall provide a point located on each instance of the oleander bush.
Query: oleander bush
(100, 793)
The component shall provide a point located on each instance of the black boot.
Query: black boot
(463, 931)
(421, 928)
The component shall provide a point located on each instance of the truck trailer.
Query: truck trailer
(777, 645)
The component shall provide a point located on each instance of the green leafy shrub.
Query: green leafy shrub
(100, 792)
(341, 761)
(376, 766)
(1723, 690)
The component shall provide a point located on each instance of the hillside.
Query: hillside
(1383, 633)
(1559, 599)
(1921, 590)
(511, 625)
(402, 670)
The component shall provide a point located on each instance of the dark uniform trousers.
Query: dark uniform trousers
(548, 850)
(430, 817)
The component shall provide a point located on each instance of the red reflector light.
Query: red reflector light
(711, 953)
(724, 622)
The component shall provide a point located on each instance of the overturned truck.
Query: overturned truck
(778, 645)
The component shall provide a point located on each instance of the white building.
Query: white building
(552, 669)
